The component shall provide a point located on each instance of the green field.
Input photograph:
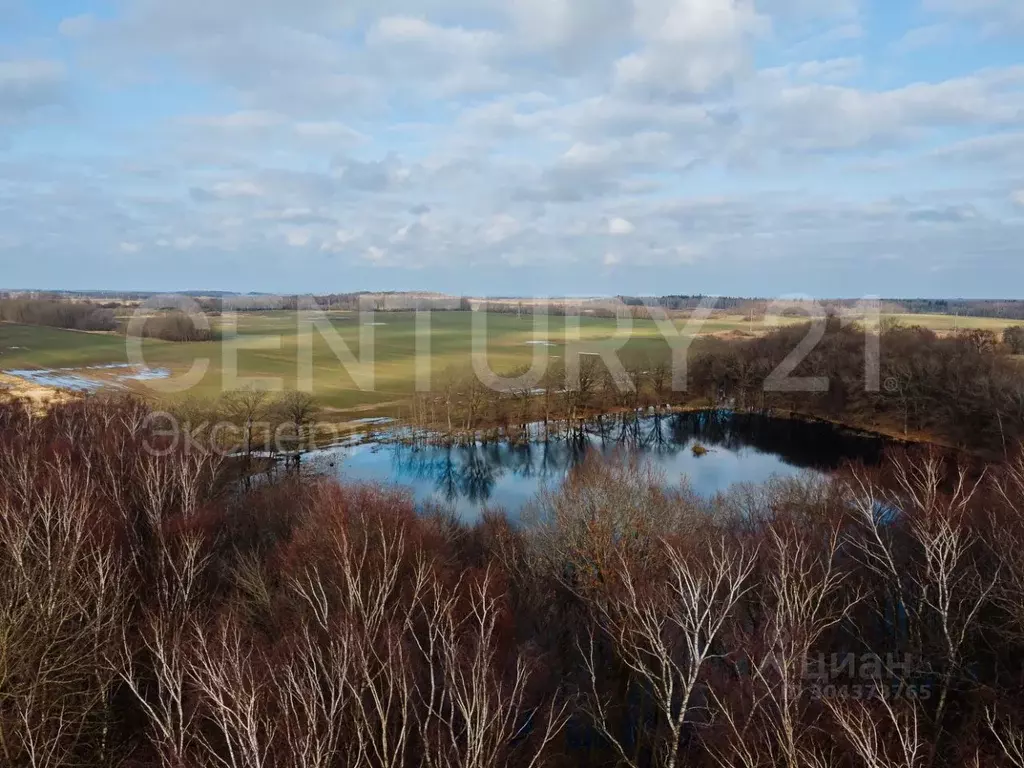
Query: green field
(951, 323)
(270, 345)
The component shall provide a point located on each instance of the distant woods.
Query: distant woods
(1011, 309)
(175, 326)
(171, 325)
(76, 316)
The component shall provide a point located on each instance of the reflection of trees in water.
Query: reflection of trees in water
(478, 475)
(805, 444)
(472, 471)
(456, 472)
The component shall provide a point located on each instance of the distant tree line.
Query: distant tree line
(215, 301)
(175, 326)
(682, 303)
(1008, 308)
(76, 316)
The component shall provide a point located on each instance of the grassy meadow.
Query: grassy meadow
(269, 346)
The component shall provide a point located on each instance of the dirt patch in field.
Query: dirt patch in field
(365, 408)
(38, 396)
(733, 335)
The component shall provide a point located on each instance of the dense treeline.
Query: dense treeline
(349, 302)
(963, 390)
(175, 326)
(679, 303)
(215, 301)
(154, 615)
(1006, 308)
(998, 308)
(57, 314)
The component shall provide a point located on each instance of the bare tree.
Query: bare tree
(886, 735)
(940, 587)
(473, 715)
(1009, 737)
(165, 640)
(63, 598)
(665, 634)
(247, 407)
(299, 411)
(801, 589)
(229, 674)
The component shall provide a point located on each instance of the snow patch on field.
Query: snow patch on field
(77, 380)
(57, 380)
(147, 374)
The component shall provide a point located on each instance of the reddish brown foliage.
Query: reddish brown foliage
(154, 613)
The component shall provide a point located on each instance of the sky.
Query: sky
(514, 147)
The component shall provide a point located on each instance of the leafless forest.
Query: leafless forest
(154, 614)
(77, 316)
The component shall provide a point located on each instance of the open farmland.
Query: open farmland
(951, 323)
(269, 346)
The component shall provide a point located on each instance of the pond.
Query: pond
(741, 448)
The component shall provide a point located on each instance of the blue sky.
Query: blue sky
(495, 147)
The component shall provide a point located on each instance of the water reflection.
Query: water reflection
(743, 448)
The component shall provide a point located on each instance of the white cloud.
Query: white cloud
(298, 238)
(501, 228)
(924, 37)
(691, 45)
(228, 189)
(446, 40)
(27, 85)
(814, 9)
(328, 129)
(816, 117)
(831, 70)
(492, 133)
(77, 26)
(619, 226)
(254, 120)
(1018, 197)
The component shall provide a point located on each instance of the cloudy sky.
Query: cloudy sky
(549, 147)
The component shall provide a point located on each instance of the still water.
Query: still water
(741, 448)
